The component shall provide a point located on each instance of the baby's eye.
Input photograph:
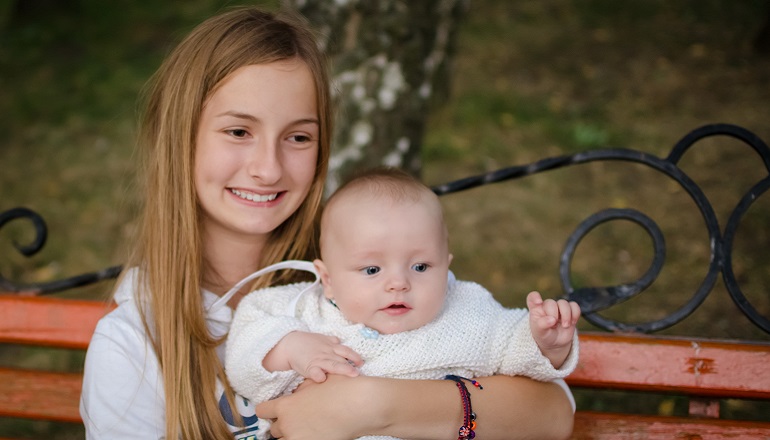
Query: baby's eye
(420, 267)
(237, 132)
(371, 270)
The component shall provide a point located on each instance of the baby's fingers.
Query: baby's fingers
(565, 313)
(549, 313)
(337, 365)
(534, 300)
(315, 373)
(547, 316)
(568, 312)
(551, 308)
(349, 354)
(575, 307)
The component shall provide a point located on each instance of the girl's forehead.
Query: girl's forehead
(282, 91)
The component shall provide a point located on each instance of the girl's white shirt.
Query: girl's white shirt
(123, 396)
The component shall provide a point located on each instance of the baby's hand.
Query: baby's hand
(313, 356)
(553, 326)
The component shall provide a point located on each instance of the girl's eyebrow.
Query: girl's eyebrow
(239, 115)
(248, 117)
(307, 121)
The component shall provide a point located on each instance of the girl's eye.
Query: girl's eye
(420, 267)
(238, 132)
(300, 138)
(371, 270)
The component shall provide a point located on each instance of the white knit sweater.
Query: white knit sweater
(474, 336)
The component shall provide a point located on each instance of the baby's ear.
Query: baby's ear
(449, 261)
(323, 274)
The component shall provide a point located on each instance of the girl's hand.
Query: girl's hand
(338, 409)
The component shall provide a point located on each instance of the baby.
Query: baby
(387, 305)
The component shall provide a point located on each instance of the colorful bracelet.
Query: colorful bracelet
(468, 429)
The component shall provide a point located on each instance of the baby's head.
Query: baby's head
(384, 251)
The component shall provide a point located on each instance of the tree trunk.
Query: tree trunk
(390, 62)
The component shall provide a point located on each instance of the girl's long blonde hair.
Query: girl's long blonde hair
(169, 250)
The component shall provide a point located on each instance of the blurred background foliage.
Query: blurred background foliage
(531, 79)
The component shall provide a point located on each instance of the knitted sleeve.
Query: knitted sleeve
(259, 323)
(523, 357)
(520, 354)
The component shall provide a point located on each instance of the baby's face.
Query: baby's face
(386, 263)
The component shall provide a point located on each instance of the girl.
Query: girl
(235, 143)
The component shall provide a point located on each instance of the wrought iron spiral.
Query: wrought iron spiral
(41, 234)
(595, 299)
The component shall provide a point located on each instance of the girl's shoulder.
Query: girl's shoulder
(124, 323)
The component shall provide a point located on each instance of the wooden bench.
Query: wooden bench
(703, 370)
(45, 322)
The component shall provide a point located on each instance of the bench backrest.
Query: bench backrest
(50, 322)
(706, 371)
(693, 367)
(46, 322)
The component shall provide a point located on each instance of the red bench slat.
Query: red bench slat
(50, 322)
(689, 366)
(599, 426)
(40, 395)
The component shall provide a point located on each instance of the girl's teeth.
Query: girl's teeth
(254, 197)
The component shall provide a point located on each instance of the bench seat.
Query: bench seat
(600, 425)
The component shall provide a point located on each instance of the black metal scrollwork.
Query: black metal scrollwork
(594, 299)
(41, 234)
(591, 299)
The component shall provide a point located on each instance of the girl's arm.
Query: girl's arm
(507, 408)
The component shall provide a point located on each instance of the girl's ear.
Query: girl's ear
(323, 273)
(450, 259)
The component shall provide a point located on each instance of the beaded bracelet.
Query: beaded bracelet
(467, 430)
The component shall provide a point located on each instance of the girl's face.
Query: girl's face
(256, 152)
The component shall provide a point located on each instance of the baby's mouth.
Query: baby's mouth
(396, 309)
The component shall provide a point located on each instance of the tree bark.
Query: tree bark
(390, 61)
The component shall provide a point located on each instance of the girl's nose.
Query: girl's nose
(265, 164)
